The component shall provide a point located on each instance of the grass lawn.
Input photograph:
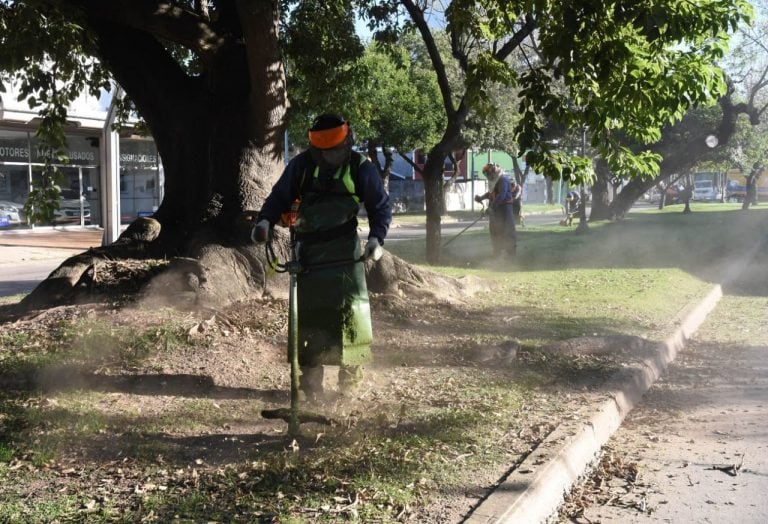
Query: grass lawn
(442, 424)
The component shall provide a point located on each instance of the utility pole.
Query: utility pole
(583, 227)
(472, 176)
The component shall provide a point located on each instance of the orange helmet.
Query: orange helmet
(328, 131)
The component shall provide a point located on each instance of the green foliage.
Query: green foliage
(618, 69)
(323, 51)
(628, 70)
(43, 200)
(748, 148)
(390, 101)
(50, 58)
(399, 103)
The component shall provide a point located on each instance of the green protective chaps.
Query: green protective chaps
(333, 308)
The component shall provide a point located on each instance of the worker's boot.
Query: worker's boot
(350, 378)
(311, 383)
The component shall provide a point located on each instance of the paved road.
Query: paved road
(28, 257)
(22, 267)
(708, 413)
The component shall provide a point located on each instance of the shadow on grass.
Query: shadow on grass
(491, 325)
(226, 475)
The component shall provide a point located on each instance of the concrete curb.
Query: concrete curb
(536, 488)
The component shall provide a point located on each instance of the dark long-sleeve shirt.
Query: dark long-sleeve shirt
(503, 192)
(368, 188)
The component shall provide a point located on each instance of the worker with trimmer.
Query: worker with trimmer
(501, 199)
(324, 186)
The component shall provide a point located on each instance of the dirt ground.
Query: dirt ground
(120, 420)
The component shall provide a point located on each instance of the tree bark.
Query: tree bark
(750, 198)
(550, 190)
(434, 201)
(219, 135)
(600, 201)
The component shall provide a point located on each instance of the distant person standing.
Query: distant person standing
(572, 204)
(500, 210)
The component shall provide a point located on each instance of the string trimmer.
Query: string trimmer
(482, 216)
(293, 415)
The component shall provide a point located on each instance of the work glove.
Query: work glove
(260, 232)
(373, 249)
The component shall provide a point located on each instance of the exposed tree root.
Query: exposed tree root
(211, 275)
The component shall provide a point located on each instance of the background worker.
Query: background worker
(500, 210)
(572, 201)
(330, 182)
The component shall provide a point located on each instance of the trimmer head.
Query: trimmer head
(302, 416)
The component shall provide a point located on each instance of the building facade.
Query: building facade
(82, 203)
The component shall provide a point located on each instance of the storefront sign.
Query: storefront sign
(13, 153)
(75, 157)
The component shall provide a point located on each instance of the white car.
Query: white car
(706, 190)
(69, 208)
(10, 212)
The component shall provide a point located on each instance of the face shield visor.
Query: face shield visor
(335, 156)
(331, 147)
(331, 158)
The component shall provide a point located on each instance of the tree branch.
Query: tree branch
(410, 162)
(417, 15)
(160, 19)
(517, 39)
(145, 69)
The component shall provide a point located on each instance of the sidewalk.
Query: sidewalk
(76, 239)
(711, 412)
(533, 491)
(700, 436)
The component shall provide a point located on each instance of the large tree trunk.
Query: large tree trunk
(434, 200)
(433, 181)
(600, 201)
(750, 198)
(220, 139)
(550, 190)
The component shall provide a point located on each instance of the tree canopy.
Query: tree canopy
(208, 76)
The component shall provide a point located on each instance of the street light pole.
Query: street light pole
(472, 176)
(583, 227)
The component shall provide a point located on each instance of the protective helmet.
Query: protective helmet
(491, 169)
(328, 131)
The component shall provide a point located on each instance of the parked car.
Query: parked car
(10, 213)
(69, 208)
(706, 190)
(672, 195)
